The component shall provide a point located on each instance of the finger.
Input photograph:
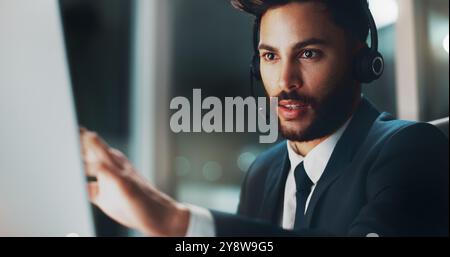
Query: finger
(82, 129)
(82, 132)
(118, 157)
(93, 169)
(95, 150)
(93, 191)
(90, 169)
(90, 155)
(87, 155)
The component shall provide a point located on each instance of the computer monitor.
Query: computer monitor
(42, 185)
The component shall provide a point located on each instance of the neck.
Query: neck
(303, 148)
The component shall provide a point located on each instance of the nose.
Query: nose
(290, 78)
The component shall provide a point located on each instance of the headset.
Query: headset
(368, 64)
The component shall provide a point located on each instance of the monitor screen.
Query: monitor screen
(42, 185)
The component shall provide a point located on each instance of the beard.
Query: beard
(324, 117)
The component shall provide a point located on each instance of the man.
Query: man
(345, 169)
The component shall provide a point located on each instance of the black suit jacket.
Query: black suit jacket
(385, 176)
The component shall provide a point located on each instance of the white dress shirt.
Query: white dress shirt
(201, 221)
(315, 163)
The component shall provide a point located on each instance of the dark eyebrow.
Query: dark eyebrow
(299, 45)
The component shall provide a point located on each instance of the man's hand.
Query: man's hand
(126, 196)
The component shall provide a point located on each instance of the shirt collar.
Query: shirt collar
(317, 159)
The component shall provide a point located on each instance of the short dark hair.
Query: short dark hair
(348, 14)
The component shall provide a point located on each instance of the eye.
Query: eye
(269, 57)
(310, 54)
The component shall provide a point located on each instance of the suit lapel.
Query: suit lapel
(275, 184)
(343, 153)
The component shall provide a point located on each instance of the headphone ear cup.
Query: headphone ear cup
(368, 65)
(254, 68)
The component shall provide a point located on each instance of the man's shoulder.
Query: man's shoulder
(386, 129)
(377, 129)
(403, 144)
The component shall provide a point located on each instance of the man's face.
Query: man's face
(306, 62)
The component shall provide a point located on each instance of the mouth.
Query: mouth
(292, 109)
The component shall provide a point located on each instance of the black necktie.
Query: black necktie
(303, 184)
